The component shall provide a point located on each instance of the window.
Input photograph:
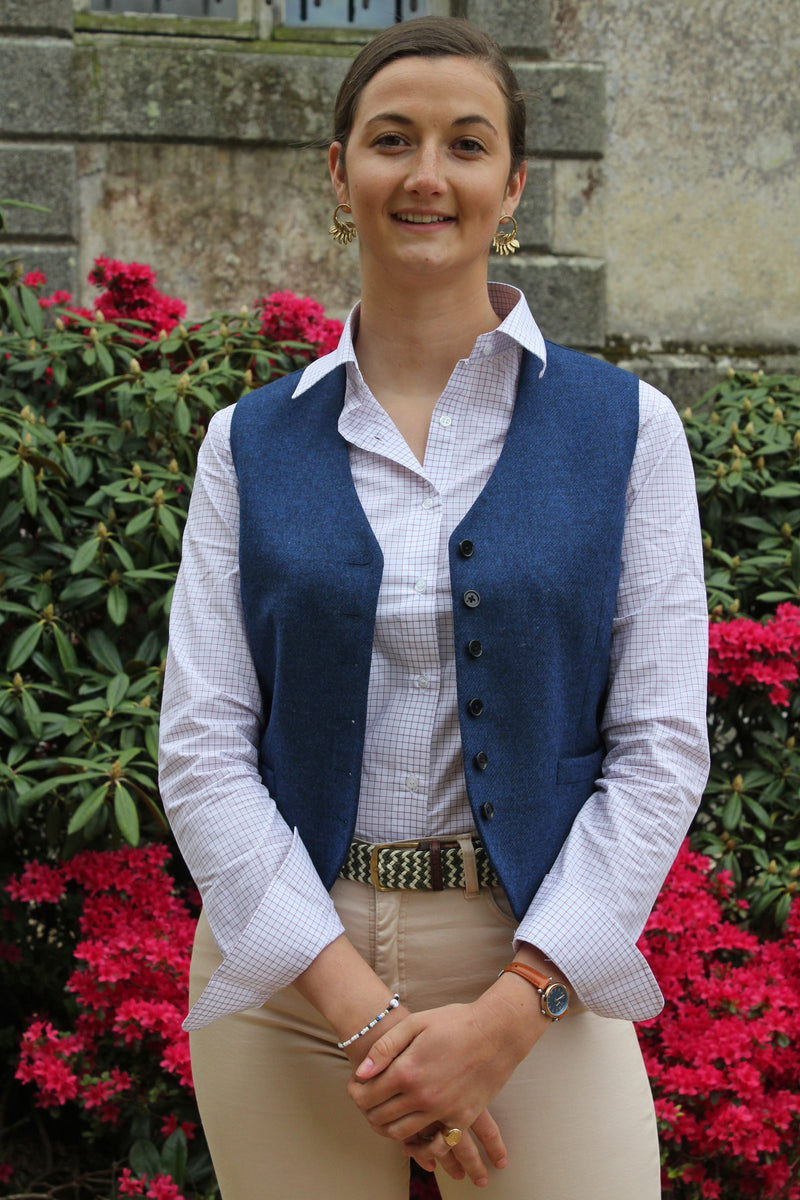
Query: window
(339, 14)
(178, 8)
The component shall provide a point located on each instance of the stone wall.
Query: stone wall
(664, 179)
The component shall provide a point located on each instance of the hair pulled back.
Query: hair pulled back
(432, 37)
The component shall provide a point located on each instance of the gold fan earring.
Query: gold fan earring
(342, 232)
(506, 243)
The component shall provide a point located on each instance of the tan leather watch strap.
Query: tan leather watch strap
(537, 978)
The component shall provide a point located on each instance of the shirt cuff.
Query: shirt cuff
(278, 943)
(605, 968)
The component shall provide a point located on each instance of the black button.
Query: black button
(475, 648)
(466, 549)
(475, 707)
(487, 810)
(481, 760)
(471, 599)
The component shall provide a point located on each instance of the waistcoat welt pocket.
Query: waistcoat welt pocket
(575, 770)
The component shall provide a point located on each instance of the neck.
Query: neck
(415, 335)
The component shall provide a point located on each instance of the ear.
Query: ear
(336, 168)
(515, 188)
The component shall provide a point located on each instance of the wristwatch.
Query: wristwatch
(554, 996)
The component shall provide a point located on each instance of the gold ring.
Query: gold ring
(453, 1136)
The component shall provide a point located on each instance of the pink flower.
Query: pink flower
(34, 279)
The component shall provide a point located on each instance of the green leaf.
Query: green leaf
(32, 713)
(732, 812)
(174, 1156)
(29, 491)
(105, 359)
(84, 556)
(782, 491)
(151, 741)
(79, 589)
(117, 604)
(169, 525)
(8, 465)
(183, 419)
(14, 314)
(127, 817)
(66, 650)
(144, 1158)
(87, 808)
(117, 690)
(782, 908)
(139, 522)
(50, 785)
(104, 651)
(24, 645)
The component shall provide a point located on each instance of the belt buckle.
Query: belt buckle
(373, 861)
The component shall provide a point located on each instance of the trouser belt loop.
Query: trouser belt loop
(471, 885)
(435, 849)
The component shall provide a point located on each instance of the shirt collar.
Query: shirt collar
(517, 325)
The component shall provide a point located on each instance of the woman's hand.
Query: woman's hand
(430, 1149)
(445, 1065)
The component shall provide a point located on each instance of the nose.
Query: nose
(426, 172)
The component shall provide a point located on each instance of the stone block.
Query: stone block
(59, 263)
(35, 92)
(519, 26)
(579, 216)
(43, 175)
(43, 18)
(566, 108)
(566, 295)
(535, 210)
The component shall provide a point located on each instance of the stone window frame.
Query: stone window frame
(257, 20)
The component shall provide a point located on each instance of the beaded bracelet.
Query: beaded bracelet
(393, 1003)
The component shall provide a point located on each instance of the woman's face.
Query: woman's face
(427, 166)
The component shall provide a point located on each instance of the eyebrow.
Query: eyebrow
(400, 119)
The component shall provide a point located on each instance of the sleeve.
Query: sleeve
(267, 907)
(592, 906)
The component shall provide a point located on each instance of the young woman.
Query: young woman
(434, 718)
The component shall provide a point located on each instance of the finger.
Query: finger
(487, 1132)
(463, 1159)
(386, 1049)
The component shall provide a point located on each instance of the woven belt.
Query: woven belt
(414, 866)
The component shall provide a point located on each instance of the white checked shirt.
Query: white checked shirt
(267, 908)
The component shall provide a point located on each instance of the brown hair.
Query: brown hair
(432, 37)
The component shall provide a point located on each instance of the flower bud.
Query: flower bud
(715, 418)
(145, 702)
(133, 367)
(738, 784)
(707, 543)
(687, 414)
(94, 336)
(248, 377)
(747, 405)
(102, 532)
(99, 319)
(48, 612)
(173, 466)
(790, 744)
(717, 610)
(204, 367)
(244, 312)
(749, 429)
(760, 462)
(223, 330)
(59, 324)
(721, 471)
(777, 417)
(786, 530)
(733, 608)
(158, 497)
(183, 384)
(16, 274)
(162, 335)
(772, 869)
(16, 682)
(32, 346)
(796, 440)
(731, 373)
(182, 330)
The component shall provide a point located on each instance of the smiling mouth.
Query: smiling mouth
(422, 219)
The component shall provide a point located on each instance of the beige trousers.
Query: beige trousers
(577, 1115)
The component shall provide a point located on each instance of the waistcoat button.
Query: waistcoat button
(471, 599)
(466, 549)
(487, 810)
(481, 760)
(475, 707)
(475, 648)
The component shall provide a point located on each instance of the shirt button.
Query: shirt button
(475, 648)
(475, 707)
(481, 760)
(471, 599)
(423, 682)
(420, 585)
(466, 548)
(412, 783)
(486, 350)
(427, 502)
(487, 810)
(445, 422)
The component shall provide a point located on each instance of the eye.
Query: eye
(469, 145)
(390, 141)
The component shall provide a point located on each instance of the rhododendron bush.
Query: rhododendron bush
(723, 1056)
(117, 1052)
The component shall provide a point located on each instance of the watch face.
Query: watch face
(556, 1000)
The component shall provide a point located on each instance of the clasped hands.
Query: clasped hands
(441, 1068)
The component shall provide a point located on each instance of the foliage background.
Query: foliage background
(101, 416)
